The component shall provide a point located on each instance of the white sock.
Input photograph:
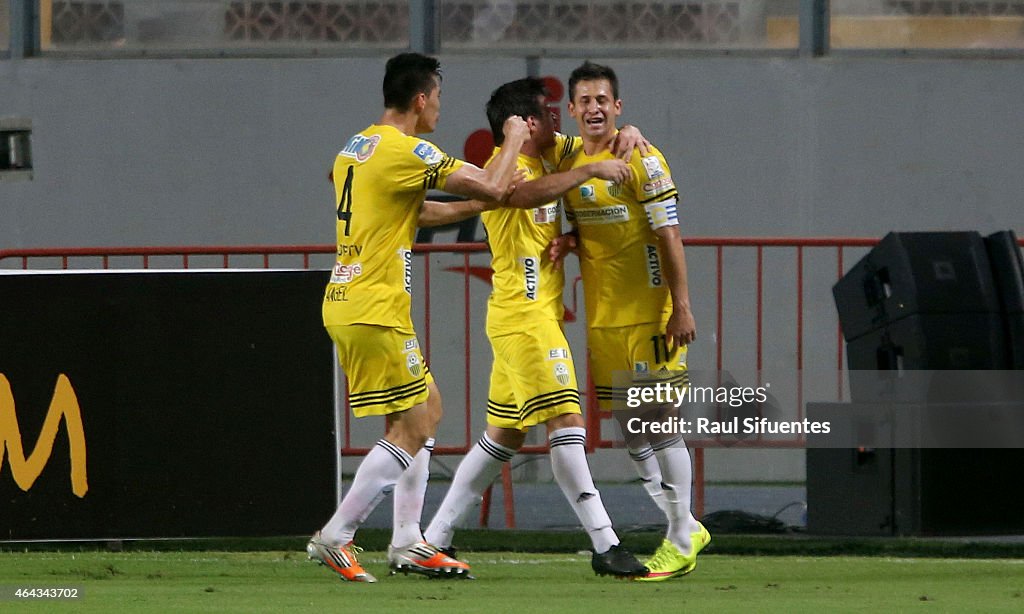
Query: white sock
(409, 493)
(650, 475)
(569, 464)
(674, 459)
(378, 472)
(476, 472)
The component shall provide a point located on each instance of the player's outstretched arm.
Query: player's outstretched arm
(681, 328)
(492, 183)
(543, 190)
(439, 213)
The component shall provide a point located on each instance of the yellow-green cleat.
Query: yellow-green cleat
(668, 562)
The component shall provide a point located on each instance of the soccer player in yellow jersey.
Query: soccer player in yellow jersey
(381, 177)
(533, 379)
(637, 298)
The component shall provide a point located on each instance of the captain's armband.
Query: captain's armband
(661, 213)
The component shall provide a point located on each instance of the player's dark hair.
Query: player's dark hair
(589, 71)
(517, 97)
(405, 76)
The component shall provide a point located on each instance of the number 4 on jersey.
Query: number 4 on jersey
(345, 206)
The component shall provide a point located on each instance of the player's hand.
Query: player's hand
(681, 329)
(628, 139)
(559, 247)
(613, 170)
(515, 127)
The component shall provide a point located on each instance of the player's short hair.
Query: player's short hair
(517, 97)
(406, 75)
(589, 71)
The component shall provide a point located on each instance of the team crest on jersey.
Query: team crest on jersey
(344, 273)
(587, 193)
(360, 147)
(653, 167)
(428, 153)
(412, 362)
(562, 373)
(614, 189)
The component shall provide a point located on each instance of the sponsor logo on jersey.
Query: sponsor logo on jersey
(411, 344)
(428, 153)
(587, 193)
(653, 167)
(349, 250)
(360, 147)
(654, 279)
(545, 214)
(660, 185)
(412, 362)
(562, 373)
(531, 274)
(558, 354)
(603, 215)
(345, 273)
(406, 256)
(641, 366)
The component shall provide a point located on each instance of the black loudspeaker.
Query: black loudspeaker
(887, 492)
(916, 273)
(924, 301)
(1008, 272)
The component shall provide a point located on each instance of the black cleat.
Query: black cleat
(617, 562)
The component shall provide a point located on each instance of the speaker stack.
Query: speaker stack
(924, 301)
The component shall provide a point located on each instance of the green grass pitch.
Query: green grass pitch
(279, 581)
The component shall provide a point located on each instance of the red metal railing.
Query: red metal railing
(270, 256)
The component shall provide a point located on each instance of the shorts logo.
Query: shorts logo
(360, 147)
(531, 268)
(426, 152)
(641, 366)
(545, 214)
(344, 273)
(562, 374)
(558, 354)
(653, 167)
(654, 279)
(411, 344)
(587, 193)
(412, 362)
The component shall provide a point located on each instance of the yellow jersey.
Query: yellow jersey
(620, 259)
(526, 284)
(381, 177)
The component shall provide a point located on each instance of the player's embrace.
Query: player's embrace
(381, 177)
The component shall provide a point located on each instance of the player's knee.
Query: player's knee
(565, 421)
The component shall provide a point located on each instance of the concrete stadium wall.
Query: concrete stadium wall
(236, 151)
